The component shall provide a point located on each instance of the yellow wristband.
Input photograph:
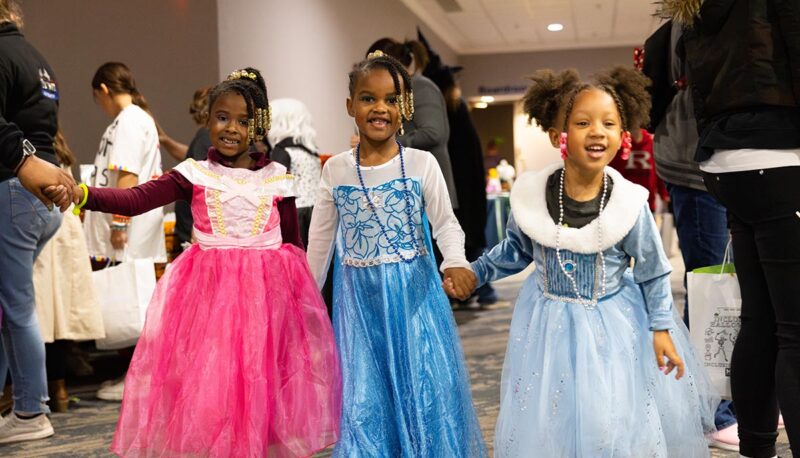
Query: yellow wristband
(77, 209)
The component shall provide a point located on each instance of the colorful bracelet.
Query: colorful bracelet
(77, 209)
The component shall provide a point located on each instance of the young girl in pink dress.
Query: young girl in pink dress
(237, 356)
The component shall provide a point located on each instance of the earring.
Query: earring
(626, 145)
(562, 143)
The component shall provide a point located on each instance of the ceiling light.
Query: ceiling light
(487, 98)
(555, 27)
(481, 105)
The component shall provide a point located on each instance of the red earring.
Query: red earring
(626, 145)
(563, 145)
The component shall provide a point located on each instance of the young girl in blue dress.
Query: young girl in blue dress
(405, 385)
(592, 340)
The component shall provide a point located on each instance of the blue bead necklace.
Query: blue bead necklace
(409, 212)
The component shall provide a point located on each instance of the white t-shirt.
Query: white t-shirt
(340, 170)
(130, 144)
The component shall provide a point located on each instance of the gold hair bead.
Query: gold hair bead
(238, 74)
(375, 54)
(268, 123)
(251, 131)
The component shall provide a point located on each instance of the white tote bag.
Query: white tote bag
(124, 291)
(715, 304)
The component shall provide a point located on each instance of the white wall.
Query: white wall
(306, 48)
(532, 148)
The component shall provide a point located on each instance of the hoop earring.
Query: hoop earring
(627, 142)
(562, 143)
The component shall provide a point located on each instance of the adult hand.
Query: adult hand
(663, 347)
(36, 174)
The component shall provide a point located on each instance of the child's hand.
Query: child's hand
(56, 193)
(459, 282)
(662, 344)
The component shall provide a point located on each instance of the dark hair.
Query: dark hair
(119, 80)
(199, 106)
(551, 91)
(405, 53)
(63, 152)
(398, 73)
(253, 91)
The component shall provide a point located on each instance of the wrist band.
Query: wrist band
(77, 209)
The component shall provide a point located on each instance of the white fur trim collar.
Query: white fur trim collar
(529, 207)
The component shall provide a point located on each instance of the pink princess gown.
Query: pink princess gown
(237, 357)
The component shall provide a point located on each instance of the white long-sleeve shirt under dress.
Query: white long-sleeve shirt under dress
(405, 386)
(580, 377)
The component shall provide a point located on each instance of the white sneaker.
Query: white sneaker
(111, 391)
(15, 429)
(725, 439)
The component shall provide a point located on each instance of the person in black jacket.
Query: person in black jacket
(743, 60)
(28, 121)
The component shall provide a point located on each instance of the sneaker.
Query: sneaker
(15, 429)
(111, 390)
(725, 439)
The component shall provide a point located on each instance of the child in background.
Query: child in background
(237, 356)
(589, 337)
(405, 385)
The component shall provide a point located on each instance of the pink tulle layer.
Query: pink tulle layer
(237, 359)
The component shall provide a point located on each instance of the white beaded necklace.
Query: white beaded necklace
(568, 267)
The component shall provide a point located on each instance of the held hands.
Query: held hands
(459, 282)
(662, 345)
(56, 193)
(37, 175)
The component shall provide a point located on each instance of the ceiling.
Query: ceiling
(498, 26)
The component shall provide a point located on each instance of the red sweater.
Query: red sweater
(640, 168)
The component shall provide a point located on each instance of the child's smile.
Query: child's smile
(374, 105)
(227, 124)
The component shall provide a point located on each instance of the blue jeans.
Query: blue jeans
(26, 226)
(702, 226)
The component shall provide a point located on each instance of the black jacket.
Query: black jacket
(743, 59)
(28, 100)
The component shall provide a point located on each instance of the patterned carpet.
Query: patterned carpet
(86, 431)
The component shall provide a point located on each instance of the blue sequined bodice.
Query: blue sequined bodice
(360, 235)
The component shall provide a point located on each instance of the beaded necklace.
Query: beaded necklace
(409, 212)
(568, 267)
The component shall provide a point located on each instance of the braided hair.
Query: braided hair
(628, 87)
(398, 72)
(248, 83)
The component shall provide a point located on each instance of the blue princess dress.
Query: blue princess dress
(580, 377)
(406, 389)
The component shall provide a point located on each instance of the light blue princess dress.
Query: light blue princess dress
(406, 390)
(580, 377)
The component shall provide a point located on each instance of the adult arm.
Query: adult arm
(788, 13)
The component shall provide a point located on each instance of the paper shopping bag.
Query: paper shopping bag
(715, 304)
(124, 291)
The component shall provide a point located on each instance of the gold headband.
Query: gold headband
(239, 74)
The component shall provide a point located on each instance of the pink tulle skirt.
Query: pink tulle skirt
(237, 359)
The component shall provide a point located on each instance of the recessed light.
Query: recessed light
(481, 105)
(487, 98)
(555, 27)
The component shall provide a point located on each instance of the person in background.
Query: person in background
(639, 167)
(28, 121)
(492, 157)
(129, 155)
(293, 142)
(197, 150)
(743, 66)
(700, 220)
